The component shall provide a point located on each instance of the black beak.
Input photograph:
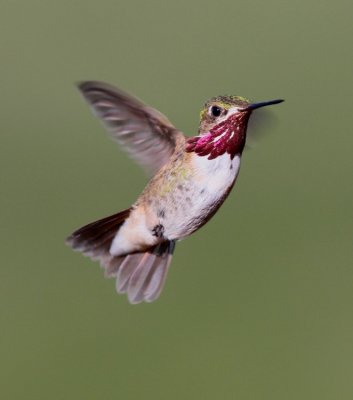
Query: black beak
(254, 106)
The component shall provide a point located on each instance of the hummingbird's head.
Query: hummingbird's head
(219, 109)
(223, 124)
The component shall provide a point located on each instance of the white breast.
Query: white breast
(208, 183)
(211, 180)
(216, 175)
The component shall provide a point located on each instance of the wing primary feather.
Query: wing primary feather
(145, 133)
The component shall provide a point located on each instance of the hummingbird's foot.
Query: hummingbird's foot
(158, 230)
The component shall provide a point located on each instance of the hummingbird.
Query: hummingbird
(190, 179)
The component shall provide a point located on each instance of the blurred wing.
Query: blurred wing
(146, 134)
(262, 124)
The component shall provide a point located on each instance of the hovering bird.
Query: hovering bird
(191, 178)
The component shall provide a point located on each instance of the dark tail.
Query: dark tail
(94, 239)
(140, 275)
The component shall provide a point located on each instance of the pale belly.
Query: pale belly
(202, 195)
(182, 210)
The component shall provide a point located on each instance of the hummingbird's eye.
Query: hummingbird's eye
(215, 111)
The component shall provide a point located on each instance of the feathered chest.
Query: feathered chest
(201, 195)
(215, 176)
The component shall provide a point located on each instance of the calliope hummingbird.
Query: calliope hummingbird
(191, 178)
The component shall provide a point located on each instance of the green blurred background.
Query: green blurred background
(258, 304)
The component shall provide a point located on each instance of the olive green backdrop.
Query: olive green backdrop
(258, 304)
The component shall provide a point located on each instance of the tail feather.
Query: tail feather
(94, 239)
(143, 275)
(126, 269)
(155, 285)
(111, 266)
(140, 275)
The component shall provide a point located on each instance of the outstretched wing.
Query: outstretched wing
(146, 134)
